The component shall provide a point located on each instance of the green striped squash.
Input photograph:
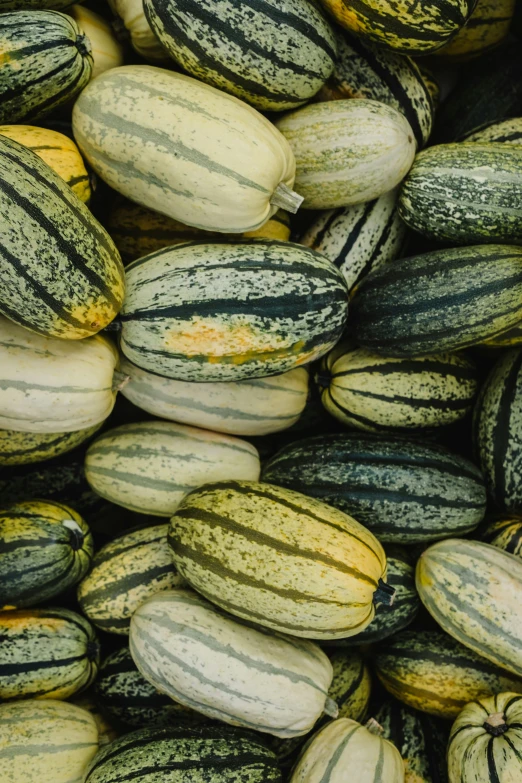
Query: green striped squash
(485, 29)
(61, 273)
(150, 466)
(124, 574)
(511, 337)
(498, 431)
(432, 82)
(381, 394)
(440, 301)
(25, 448)
(279, 559)
(133, 24)
(472, 590)
(46, 61)
(250, 407)
(48, 385)
(419, 738)
(46, 654)
(465, 193)
(364, 70)
(411, 29)
(36, 5)
(405, 492)
(126, 696)
(431, 672)
(505, 532)
(106, 51)
(347, 151)
(506, 131)
(221, 312)
(272, 56)
(358, 238)
(184, 149)
(485, 742)
(46, 741)
(206, 660)
(44, 549)
(186, 753)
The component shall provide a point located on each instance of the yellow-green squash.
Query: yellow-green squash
(486, 28)
(505, 532)
(24, 448)
(105, 49)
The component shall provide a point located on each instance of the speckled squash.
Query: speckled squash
(504, 532)
(24, 448)
(486, 28)
(508, 339)
(506, 131)
(432, 82)
(131, 16)
(106, 52)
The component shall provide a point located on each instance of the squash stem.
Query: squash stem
(285, 198)
(385, 594)
(323, 379)
(119, 380)
(374, 727)
(496, 724)
(330, 708)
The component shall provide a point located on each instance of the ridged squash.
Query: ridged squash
(472, 590)
(105, 50)
(486, 28)
(220, 312)
(52, 385)
(54, 740)
(46, 61)
(25, 448)
(227, 670)
(279, 559)
(131, 15)
(505, 532)
(347, 151)
(44, 549)
(184, 149)
(432, 82)
(272, 56)
(507, 131)
(107, 733)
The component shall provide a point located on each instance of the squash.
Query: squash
(486, 28)
(131, 15)
(25, 448)
(505, 532)
(506, 131)
(105, 49)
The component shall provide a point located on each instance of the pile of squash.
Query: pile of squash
(260, 391)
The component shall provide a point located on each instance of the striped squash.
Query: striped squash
(485, 742)
(221, 312)
(512, 337)
(359, 238)
(46, 61)
(431, 672)
(507, 131)
(440, 301)
(364, 70)
(52, 385)
(184, 149)
(186, 753)
(53, 741)
(46, 654)
(138, 231)
(465, 193)
(150, 466)
(486, 28)
(498, 431)
(347, 151)
(419, 738)
(24, 448)
(131, 16)
(36, 5)
(472, 590)
(58, 151)
(273, 56)
(344, 745)
(381, 394)
(124, 574)
(127, 697)
(106, 732)
(279, 559)
(256, 407)
(44, 549)
(404, 491)
(505, 532)
(432, 82)
(61, 273)
(206, 660)
(105, 50)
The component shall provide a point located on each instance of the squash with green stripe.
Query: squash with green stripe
(25, 448)
(105, 50)
(432, 82)
(404, 491)
(498, 431)
(49, 385)
(359, 238)
(54, 741)
(272, 56)
(505, 532)
(183, 148)
(380, 394)
(431, 672)
(61, 273)
(440, 301)
(472, 590)
(485, 29)
(510, 338)
(192, 754)
(58, 151)
(485, 742)
(222, 312)
(46, 654)
(465, 193)
(347, 151)
(131, 20)
(46, 61)
(148, 467)
(506, 131)
(279, 559)
(44, 549)
(206, 660)
(364, 70)
(124, 574)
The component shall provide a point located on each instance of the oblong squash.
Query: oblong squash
(505, 532)
(105, 50)
(131, 15)
(487, 27)
(507, 131)
(24, 448)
